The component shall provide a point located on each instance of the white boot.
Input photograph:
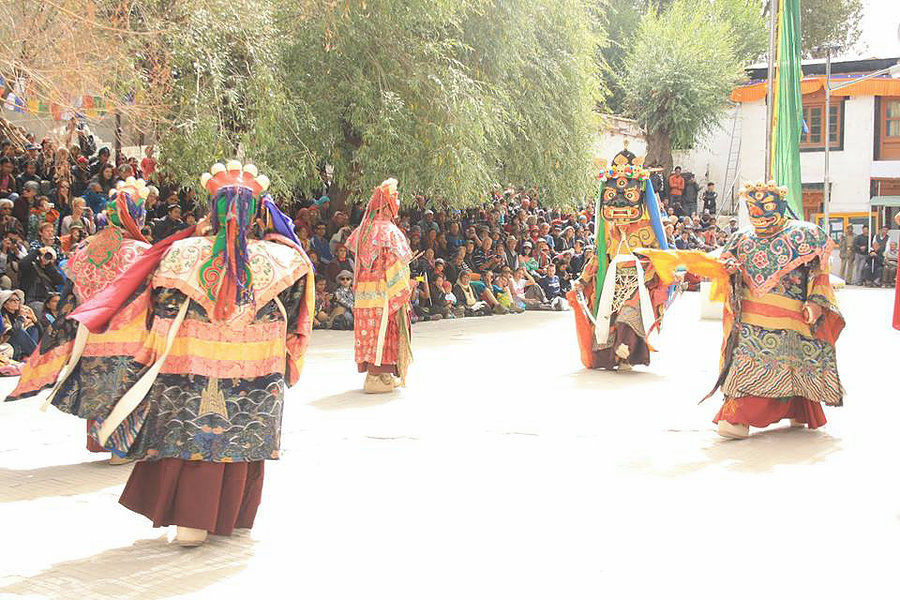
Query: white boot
(623, 351)
(379, 384)
(624, 366)
(189, 537)
(734, 432)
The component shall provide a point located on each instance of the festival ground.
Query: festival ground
(504, 470)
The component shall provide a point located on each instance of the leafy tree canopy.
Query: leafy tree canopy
(679, 73)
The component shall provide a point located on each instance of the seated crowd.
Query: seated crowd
(508, 255)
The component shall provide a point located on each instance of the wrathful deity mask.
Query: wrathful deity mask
(767, 205)
(624, 185)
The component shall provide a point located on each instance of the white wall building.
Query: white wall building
(864, 136)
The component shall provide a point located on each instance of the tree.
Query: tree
(680, 71)
(226, 96)
(53, 53)
(448, 96)
(830, 23)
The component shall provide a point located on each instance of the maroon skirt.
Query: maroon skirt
(367, 367)
(217, 497)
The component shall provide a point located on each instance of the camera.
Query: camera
(48, 256)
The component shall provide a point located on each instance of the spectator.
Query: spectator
(40, 215)
(7, 177)
(861, 250)
(95, 198)
(7, 221)
(709, 198)
(873, 265)
(458, 265)
(676, 190)
(847, 255)
(552, 290)
(732, 225)
(172, 223)
(18, 324)
(322, 315)
(428, 223)
(29, 173)
(38, 274)
(882, 239)
(340, 263)
(148, 163)
(49, 312)
(106, 178)
(80, 216)
(343, 299)
(321, 244)
(889, 278)
(100, 162)
(468, 298)
(76, 235)
(689, 194)
(22, 206)
(484, 258)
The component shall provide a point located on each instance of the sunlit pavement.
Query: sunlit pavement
(503, 470)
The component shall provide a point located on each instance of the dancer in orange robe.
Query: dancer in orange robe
(381, 323)
(781, 317)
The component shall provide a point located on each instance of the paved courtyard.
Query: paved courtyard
(503, 470)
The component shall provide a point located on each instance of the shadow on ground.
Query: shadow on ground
(760, 453)
(140, 571)
(353, 399)
(60, 480)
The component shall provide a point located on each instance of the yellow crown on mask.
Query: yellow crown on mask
(761, 188)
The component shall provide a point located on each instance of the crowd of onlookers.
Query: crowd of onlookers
(868, 261)
(508, 255)
(52, 196)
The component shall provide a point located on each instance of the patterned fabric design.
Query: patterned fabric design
(217, 398)
(765, 261)
(94, 265)
(386, 282)
(783, 364)
(274, 267)
(216, 420)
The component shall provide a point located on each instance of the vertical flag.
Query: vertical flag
(787, 113)
(600, 243)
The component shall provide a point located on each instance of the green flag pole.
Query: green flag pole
(788, 109)
(600, 243)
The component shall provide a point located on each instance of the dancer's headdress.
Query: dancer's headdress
(125, 208)
(234, 190)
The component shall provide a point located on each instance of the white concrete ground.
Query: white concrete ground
(504, 470)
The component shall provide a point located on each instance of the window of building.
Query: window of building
(889, 129)
(814, 117)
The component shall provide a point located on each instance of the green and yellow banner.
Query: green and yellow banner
(787, 113)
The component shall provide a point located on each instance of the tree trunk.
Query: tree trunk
(659, 150)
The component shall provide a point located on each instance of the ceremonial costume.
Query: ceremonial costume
(381, 313)
(91, 268)
(781, 318)
(619, 300)
(193, 380)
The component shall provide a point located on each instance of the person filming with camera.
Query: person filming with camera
(39, 276)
